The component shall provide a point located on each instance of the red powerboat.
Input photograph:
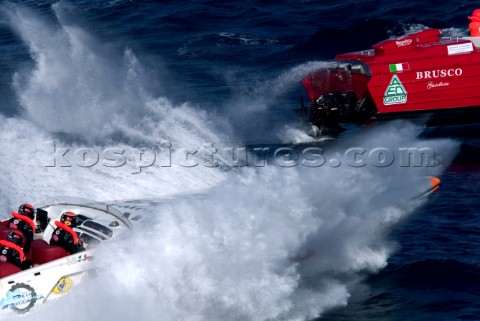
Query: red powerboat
(421, 75)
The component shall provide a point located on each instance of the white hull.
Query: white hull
(100, 223)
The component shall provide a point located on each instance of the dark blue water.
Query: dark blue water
(213, 52)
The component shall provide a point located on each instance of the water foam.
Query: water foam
(268, 243)
(82, 93)
(94, 90)
(261, 111)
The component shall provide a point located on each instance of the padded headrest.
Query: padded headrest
(7, 269)
(42, 252)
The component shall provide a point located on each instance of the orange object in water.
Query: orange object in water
(474, 27)
(435, 183)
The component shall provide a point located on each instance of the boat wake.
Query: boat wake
(264, 243)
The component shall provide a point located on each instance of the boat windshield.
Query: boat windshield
(77, 201)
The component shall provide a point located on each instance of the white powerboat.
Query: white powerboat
(51, 276)
(53, 273)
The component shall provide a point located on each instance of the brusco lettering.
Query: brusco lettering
(443, 73)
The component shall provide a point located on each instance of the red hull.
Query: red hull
(420, 72)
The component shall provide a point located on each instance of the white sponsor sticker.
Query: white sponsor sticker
(461, 48)
(403, 43)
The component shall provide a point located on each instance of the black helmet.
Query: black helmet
(26, 210)
(69, 219)
(15, 237)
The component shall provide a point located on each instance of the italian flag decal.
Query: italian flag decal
(399, 67)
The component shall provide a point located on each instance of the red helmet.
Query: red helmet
(475, 15)
(69, 219)
(15, 237)
(26, 210)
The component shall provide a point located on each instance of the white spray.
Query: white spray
(268, 243)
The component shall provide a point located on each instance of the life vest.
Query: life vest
(26, 219)
(13, 246)
(69, 230)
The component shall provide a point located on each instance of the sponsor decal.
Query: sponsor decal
(20, 298)
(63, 286)
(399, 67)
(404, 43)
(76, 259)
(432, 84)
(395, 93)
(461, 48)
(440, 73)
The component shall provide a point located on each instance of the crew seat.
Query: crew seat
(42, 252)
(7, 269)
